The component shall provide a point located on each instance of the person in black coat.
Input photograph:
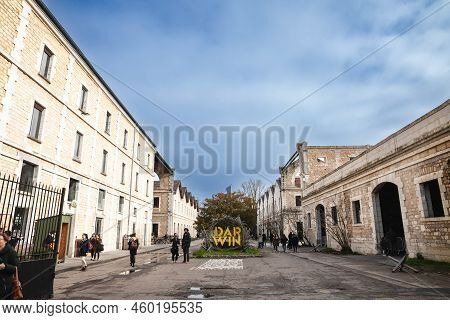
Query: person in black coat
(283, 240)
(174, 249)
(295, 241)
(133, 245)
(8, 265)
(185, 244)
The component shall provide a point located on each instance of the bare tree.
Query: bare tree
(253, 189)
(338, 230)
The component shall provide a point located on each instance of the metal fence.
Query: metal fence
(32, 213)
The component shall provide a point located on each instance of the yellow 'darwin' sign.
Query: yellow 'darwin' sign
(221, 236)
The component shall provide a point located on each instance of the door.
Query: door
(63, 242)
(155, 230)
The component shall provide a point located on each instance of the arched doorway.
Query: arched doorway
(321, 225)
(388, 217)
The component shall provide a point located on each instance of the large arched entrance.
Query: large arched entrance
(388, 217)
(321, 225)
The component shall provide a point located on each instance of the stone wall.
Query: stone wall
(415, 154)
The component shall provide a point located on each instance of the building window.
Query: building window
(73, 189)
(125, 139)
(298, 182)
(431, 197)
(98, 225)
(135, 212)
(309, 220)
(108, 123)
(121, 203)
(298, 201)
(321, 159)
(36, 122)
(78, 146)
(122, 177)
(334, 215)
(83, 98)
(156, 202)
(104, 162)
(356, 205)
(149, 157)
(46, 63)
(138, 152)
(137, 182)
(101, 199)
(27, 176)
(134, 227)
(147, 188)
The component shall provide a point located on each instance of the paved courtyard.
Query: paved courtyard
(302, 275)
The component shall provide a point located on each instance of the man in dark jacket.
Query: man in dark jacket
(185, 244)
(8, 265)
(133, 245)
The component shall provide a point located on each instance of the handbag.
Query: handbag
(17, 287)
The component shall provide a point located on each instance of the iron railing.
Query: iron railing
(32, 212)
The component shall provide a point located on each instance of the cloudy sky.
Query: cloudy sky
(237, 65)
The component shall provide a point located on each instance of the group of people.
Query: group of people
(185, 245)
(291, 241)
(8, 264)
(92, 245)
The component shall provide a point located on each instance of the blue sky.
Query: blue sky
(243, 62)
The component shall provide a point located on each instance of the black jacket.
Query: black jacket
(186, 242)
(8, 256)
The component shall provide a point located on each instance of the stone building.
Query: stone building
(397, 188)
(279, 206)
(174, 209)
(61, 124)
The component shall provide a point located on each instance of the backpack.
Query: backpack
(133, 244)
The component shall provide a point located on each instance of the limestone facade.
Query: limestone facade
(177, 209)
(279, 206)
(401, 184)
(59, 117)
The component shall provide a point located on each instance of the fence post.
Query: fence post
(60, 214)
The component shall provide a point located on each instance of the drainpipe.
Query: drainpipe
(131, 180)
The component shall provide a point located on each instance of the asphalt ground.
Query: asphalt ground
(302, 275)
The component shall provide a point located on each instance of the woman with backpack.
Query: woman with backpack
(98, 247)
(84, 249)
(133, 245)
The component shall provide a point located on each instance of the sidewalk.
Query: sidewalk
(374, 266)
(105, 257)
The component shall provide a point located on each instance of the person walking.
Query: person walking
(174, 250)
(276, 242)
(260, 241)
(295, 241)
(133, 245)
(8, 264)
(284, 240)
(185, 244)
(264, 239)
(92, 245)
(84, 249)
(271, 238)
(98, 246)
(290, 240)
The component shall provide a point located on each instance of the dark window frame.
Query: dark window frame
(45, 71)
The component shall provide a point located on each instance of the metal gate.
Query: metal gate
(32, 212)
